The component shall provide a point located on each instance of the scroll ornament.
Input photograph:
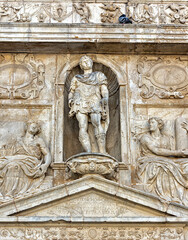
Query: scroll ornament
(21, 77)
(162, 77)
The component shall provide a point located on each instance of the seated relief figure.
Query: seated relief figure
(88, 101)
(163, 171)
(23, 164)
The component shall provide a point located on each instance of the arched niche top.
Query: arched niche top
(103, 61)
(113, 84)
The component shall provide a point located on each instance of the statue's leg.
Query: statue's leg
(83, 134)
(99, 132)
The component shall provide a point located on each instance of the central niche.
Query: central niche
(72, 145)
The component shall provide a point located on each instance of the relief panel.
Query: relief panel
(161, 166)
(21, 77)
(111, 13)
(24, 154)
(143, 13)
(163, 77)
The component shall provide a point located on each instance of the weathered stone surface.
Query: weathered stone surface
(62, 201)
(145, 76)
(93, 232)
(92, 163)
(93, 33)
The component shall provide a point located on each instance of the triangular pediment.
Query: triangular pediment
(92, 203)
(92, 197)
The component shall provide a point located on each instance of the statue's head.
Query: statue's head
(155, 123)
(33, 127)
(86, 63)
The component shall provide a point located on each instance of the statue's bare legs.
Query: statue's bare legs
(99, 131)
(83, 134)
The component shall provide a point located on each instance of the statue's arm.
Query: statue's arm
(71, 91)
(104, 91)
(105, 96)
(46, 153)
(161, 151)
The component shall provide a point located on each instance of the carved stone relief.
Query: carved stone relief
(164, 152)
(92, 204)
(34, 12)
(84, 11)
(177, 13)
(23, 163)
(101, 164)
(146, 13)
(88, 98)
(88, 101)
(59, 12)
(71, 128)
(163, 77)
(93, 232)
(25, 110)
(21, 77)
(143, 13)
(39, 12)
(162, 165)
(111, 13)
(158, 13)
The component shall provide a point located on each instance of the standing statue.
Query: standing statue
(88, 100)
(23, 164)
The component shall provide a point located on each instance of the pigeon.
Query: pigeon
(124, 19)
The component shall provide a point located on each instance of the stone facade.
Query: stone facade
(93, 120)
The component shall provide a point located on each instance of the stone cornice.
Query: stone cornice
(92, 33)
(114, 220)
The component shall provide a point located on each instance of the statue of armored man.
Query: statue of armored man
(88, 100)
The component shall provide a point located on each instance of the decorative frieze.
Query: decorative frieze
(149, 13)
(90, 233)
(87, 12)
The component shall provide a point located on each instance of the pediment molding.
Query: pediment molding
(127, 197)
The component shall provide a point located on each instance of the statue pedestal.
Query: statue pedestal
(92, 163)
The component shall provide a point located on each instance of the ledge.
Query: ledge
(95, 220)
(60, 32)
(108, 38)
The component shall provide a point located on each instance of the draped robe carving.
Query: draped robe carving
(162, 171)
(23, 164)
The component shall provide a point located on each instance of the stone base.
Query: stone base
(92, 163)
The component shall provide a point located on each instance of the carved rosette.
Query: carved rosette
(21, 77)
(92, 163)
(163, 77)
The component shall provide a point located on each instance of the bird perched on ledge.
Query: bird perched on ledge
(123, 19)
